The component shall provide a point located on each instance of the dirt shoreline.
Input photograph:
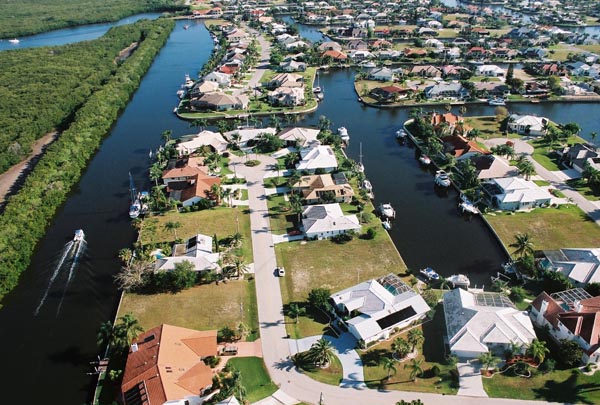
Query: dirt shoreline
(11, 179)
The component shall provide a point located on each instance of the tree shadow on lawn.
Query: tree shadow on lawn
(434, 349)
(567, 391)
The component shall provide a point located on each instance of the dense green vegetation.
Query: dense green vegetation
(42, 87)
(26, 17)
(28, 213)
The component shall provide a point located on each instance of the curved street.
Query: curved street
(295, 386)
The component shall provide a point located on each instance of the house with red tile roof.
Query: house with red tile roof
(462, 148)
(573, 315)
(166, 364)
(450, 123)
(335, 55)
(188, 181)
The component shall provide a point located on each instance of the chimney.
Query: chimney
(543, 308)
(134, 348)
(578, 306)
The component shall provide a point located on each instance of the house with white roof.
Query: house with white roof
(481, 322)
(326, 220)
(299, 136)
(318, 157)
(490, 71)
(374, 309)
(205, 138)
(581, 266)
(527, 124)
(222, 79)
(243, 135)
(197, 250)
(286, 96)
(444, 90)
(572, 315)
(516, 193)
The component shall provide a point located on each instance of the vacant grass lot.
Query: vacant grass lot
(203, 307)
(488, 126)
(254, 377)
(562, 386)
(220, 221)
(431, 352)
(549, 228)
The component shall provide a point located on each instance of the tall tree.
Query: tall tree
(522, 244)
(415, 368)
(488, 360)
(389, 365)
(415, 338)
(538, 350)
(321, 352)
(173, 226)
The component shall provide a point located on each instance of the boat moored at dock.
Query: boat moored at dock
(442, 179)
(429, 274)
(424, 160)
(386, 210)
(459, 281)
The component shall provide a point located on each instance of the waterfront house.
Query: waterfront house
(383, 74)
(292, 66)
(360, 55)
(462, 148)
(492, 89)
(581, 266)
(374, 309)
(203, 87)
(357, 45)
(578, 155)
(286, 80)
(317, 157)
(454, 91)
(197, 250)
(450, 124)
(481, 322)
(166, 364)
(452, 72)
(220, 102)
(326, 220)
(189, 181)
(425, 71)
(336, 56)
(490, 167)
(190, 144)
(286, 96)
(477, 52)
(572, 315)
(241, 136)
(490, 71)
(414, 52)
(299, 137)
(184, 169)
(461, 42)
(319, 187)
(222, 79)
(515, 193)
(329, 46)
(390, 94)
(527, 124)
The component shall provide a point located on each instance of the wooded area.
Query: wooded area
(28, 213)
(26, 17)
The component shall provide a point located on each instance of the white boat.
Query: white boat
(442, 179)
(14, 41)
(429, 274)
(401, 134)
(189, 83)
(319, 96)
(343, 134)
(367, 185)
(459, 280)
(360, 167)
(367, 64)
(468, 207)
(316, 89)
(185, 27)
(496, 101)
(180, 93)
(387, 211)
(387, 224)
(79, 235)
(424, 159)
(136, 206)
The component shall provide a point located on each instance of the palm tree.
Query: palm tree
(126, 255)
(389, 365)
(126, 331)
(593, 136)
(415, 368)
(240, 266)
(105, 334)
(155, 173)
(166, 135)
(296, 205)
(526, 169)
(173, 226)
(320, 352)
(488, 360)
(523, 245)
(294, 311)
(415, 337)
(538, 350)
(400, 347)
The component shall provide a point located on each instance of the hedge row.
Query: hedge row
(29, 212)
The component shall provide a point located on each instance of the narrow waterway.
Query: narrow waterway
(51, 351)
(73, 34)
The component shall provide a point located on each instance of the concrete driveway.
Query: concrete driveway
(469, 378)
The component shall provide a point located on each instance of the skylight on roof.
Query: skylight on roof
(570, 296)
(394, 284)
(488, 299)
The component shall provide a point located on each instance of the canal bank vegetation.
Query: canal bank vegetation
(28, 213)
(27, 17)
(44, 87)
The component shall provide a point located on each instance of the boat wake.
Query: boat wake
(71, 253)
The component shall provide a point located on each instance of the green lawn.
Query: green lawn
(431, 352)
(254, 377)
(331, 375)
(544, 155)
(584, 189)
(487, 125)
(562, 386)
(203, 307)
(541, 183)
(221, 221)
(549, 228)
(282, 217)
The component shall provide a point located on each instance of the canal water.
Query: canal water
(52, 350)
(73, 34)
(46, 356)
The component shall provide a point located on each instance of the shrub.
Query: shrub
(252, 163)
(370, 234)
(226, 334)
(547, 366)
(435, 371)
(342, 238)
(212, 361)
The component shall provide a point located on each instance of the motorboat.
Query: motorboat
(316, 89)
(180, 93)
(429, 274)
(468, 207)
(424, 159)
(386, 210)
(79, 235)
(496, 101)
(343, 134)
(185, 27)
(459, 280)
(401, 134)
(14, 41)
(135, 207)
(189, 83)
(319, 96)
(368, 64)
(360, 167)
(442, 179)
(387, 224)
(367, 185)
